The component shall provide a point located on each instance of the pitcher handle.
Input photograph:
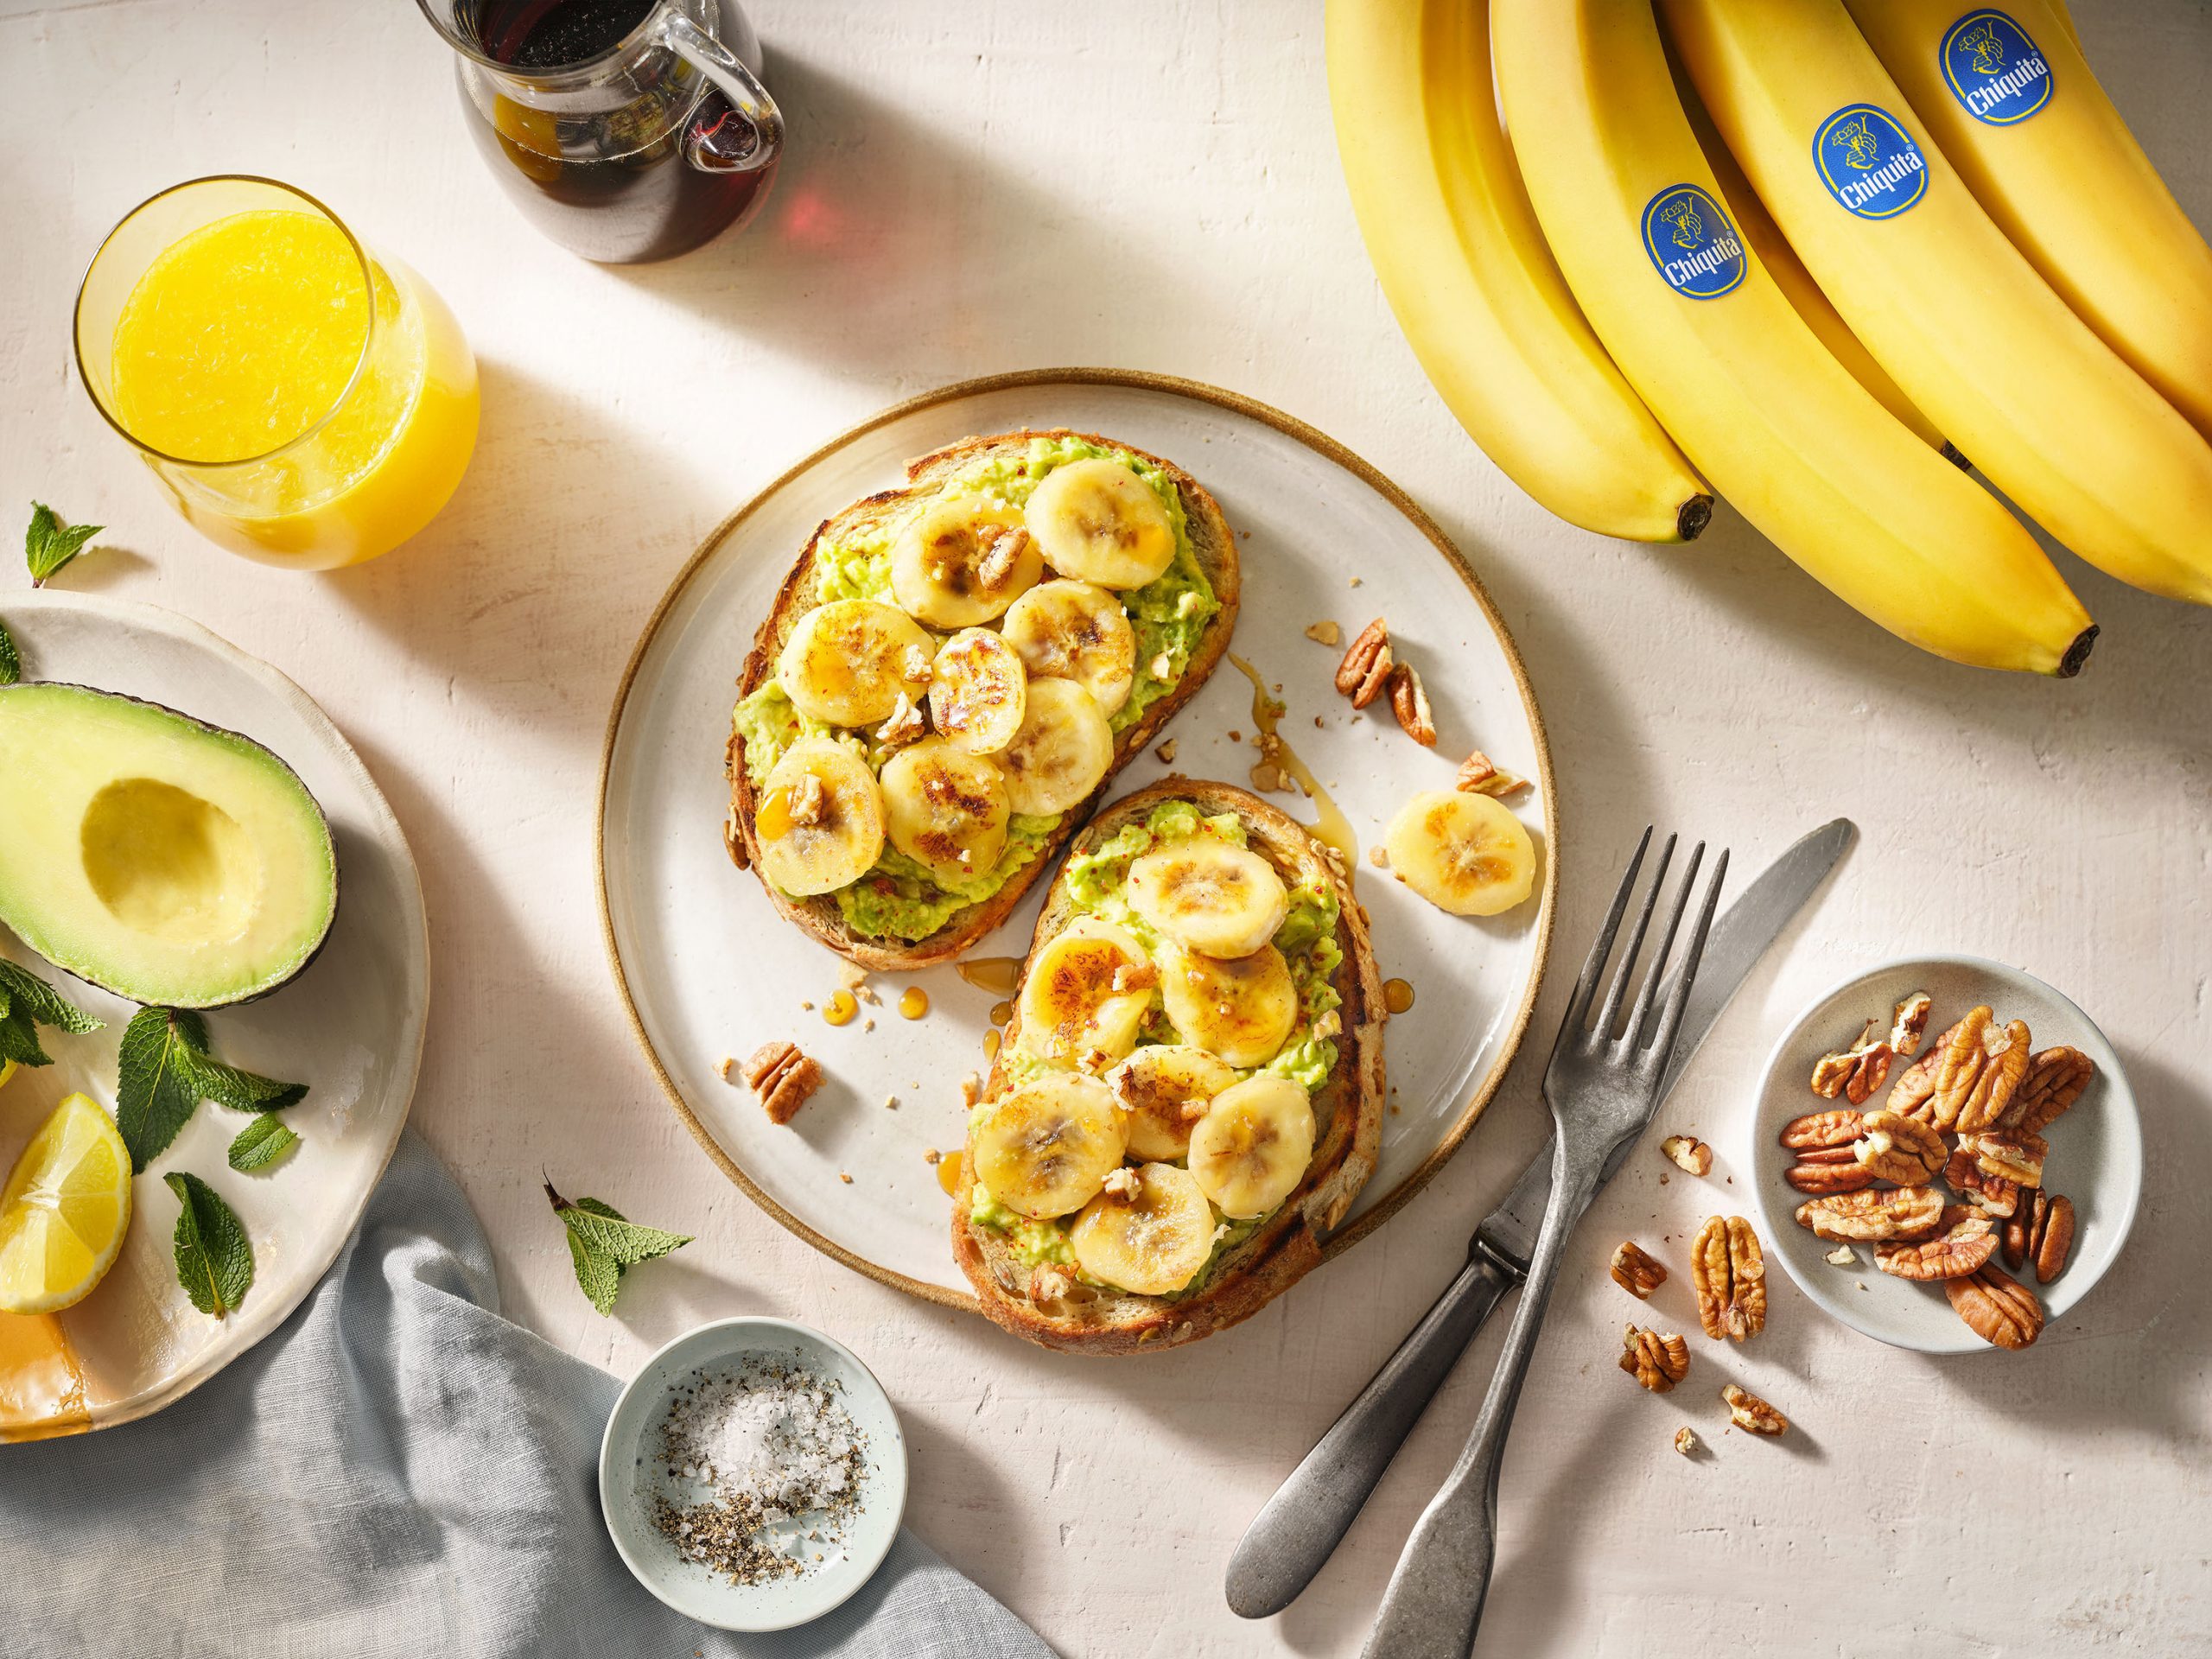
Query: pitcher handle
(751, 136)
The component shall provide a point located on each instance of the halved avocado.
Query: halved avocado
(168, 861)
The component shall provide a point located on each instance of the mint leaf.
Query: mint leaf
(602, 1244)
(240, 1091)
(23, 988)
(153, 1096)
(215, 1260)
(49, 544)
(11, 664)
(19, 1036)
(260, 1144)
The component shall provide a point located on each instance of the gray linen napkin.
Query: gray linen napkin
(397, 1471)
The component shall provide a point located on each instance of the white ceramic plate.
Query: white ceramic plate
(632, 1475)
(350, 1027)
(711, 971)
(2096, 1148)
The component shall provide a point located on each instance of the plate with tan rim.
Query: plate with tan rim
(709, 971)
(350, 1027)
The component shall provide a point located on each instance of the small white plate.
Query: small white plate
(350, 1027)
(2096, 1148)
(630, 1476)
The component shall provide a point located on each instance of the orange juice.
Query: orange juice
(42, 1386)
(307, 404)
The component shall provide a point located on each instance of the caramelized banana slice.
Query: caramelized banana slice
(1465, 853)
(962, 560)
(1085, 995)
(978, 691)
(846, 662)
(1148, 1239)
(1241, 1009)
(1075, 631)
(945, 809)
(1250, 1149)
(1047, 1147)
(1061, 751)
(1218, 899)
(1098, 522)
(1166, 1087)
(820, 818)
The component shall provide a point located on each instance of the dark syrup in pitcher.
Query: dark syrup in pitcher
(613, 185)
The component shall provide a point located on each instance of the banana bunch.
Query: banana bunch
(1815, 244)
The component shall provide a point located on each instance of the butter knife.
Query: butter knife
(1294, 1536)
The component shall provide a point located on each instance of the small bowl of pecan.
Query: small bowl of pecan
(1947, 1153)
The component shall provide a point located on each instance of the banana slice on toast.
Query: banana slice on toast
(1150, 1238)
(945, 809)
(1218, 899)
(979, 691)
(821, 818)
(848, 663)
(1166, 1088)
(1075, 631)
(962, 561)
(1085, 995)
(1047, 1148)
(1250, 1149)
(1098, 522)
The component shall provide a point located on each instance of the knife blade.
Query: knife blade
(1298, 1529)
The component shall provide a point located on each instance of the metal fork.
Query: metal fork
(1602, 1089)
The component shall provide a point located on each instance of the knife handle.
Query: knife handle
(1292, 1537)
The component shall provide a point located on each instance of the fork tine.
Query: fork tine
(1671, 1019)
(1625, 969)
(1587, 987)
(1639, 1020)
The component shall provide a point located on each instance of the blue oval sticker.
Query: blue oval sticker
(1691, 243)
(1993, 69)
(1869, 161)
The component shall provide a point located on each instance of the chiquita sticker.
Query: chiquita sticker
(1998, 74)
(1692, 243)
(1869, 162)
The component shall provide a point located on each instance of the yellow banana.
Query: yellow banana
(1704, 334)
(2012, 104)
(1465, 268)
(1944, 301)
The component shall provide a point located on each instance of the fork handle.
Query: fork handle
(1434, 1602)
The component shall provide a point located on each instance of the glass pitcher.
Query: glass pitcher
(627, 131)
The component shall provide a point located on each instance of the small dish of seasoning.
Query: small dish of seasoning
(753, 1475)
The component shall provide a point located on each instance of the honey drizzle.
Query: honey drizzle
(913, 1002)
(42, 1390)
(997, 974)
(948, 1173)
(1397, 995)
(991, 1040)
(841, 1007)
(1330, 827)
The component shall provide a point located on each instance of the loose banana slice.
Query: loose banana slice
(846, 662)
(1148, 1241)
(1085, 995)
(1241, 1009)
(1220, 900)
(1075, 631)
(978, 691)
(1097, 521)
(820, 819)
(1061, 751)
(1252, 1146)
(1047, 1147)
(1465, 853)
(945, 809)
(962, 560)
(1165, 1087)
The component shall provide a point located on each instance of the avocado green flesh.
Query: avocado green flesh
(167, 860)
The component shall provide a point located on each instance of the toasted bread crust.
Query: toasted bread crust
(1348, 1107)
(1215, 549)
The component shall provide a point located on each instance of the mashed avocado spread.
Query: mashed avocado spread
(898, 899)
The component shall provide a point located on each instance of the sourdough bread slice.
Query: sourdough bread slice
(1216, 551)
(1347, 1113)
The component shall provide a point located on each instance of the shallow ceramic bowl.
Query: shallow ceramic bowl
(631, 1477)
(2096, 1148)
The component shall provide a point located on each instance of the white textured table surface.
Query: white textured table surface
(1155, 186)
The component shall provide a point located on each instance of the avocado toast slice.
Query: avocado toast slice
(955, 823)
(1163, 1143)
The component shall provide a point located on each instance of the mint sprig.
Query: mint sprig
(603, 1245)
(11, 664)
(260, 1144)
(26, 1003)
(166, 1072)
(50, 543)
(215, 1260)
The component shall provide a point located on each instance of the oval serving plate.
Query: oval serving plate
(709, 971)
(350, 1027)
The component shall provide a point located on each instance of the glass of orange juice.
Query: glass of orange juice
(305, 402)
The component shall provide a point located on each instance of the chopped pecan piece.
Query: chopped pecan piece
(783, 1077)
(1050, 1284)
(1635, 1272)
(1901, 1149)
(2055, 1081)
(1325, 633)
(1656, 1362)
(2007, 1154)
(807, 801)
(1913, 1094)
(1746, 1410)
(1981, 1070)
(2040, 1235)
(1366, 668)
(904, 725)
(1729, 1272)
(1873, 1215)
(1122, 1183)
(1911, 1020)
(1992, 1193)
(1855, 1072)
(1998, 1309)
(1410, 703)
(1480, 775)
(1687, 1153)
(1685, 1440)
(1969, 1239)
(1818, 1131)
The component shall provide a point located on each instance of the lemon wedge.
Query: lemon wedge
(64, 1210)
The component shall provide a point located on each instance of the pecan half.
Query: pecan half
(1992, 1193)
(1656, 1362)
(1909, 1021)
(1818, 1131)
(1998, 1309)
(1728, 1269)
(1746, 1410)
(1901, 1149)
(1365, 670)
(783, 1077)
(1981, 1071)
(1969, 1239)
(1855, 1072)
(1480, 775)
(2055, 1081)
(2040, 1235)
(1820, 1179)
(1874, 1215)
(1410, 703)
(1635, 1272)
(1687, 1153)
(1912, 1095)
(2008, 1155)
